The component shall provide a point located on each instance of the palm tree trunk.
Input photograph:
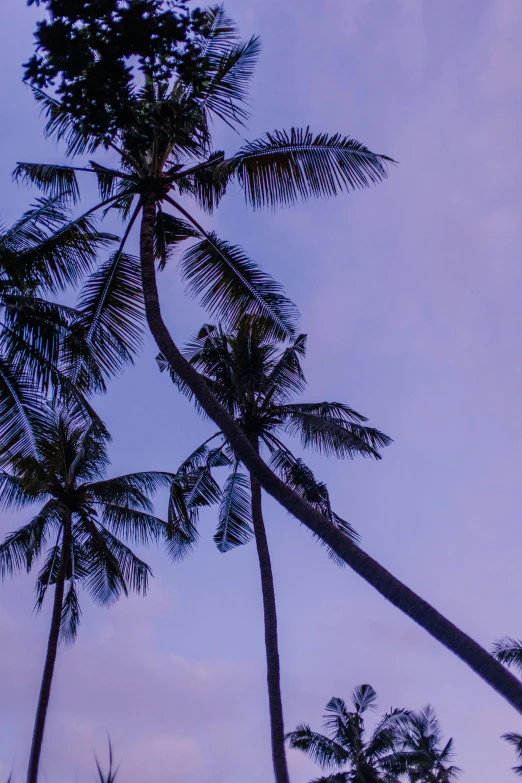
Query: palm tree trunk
(391, 588)
(271, 643)
(50, 658)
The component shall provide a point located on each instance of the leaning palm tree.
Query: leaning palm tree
(160, 134)
(79, 528)
(348, 751)
(422, 757)
(255, 378)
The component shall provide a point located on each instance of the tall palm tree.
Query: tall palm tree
(422, 757)
(348, 751)
(255, 378)
(163, 144)
(79, 527)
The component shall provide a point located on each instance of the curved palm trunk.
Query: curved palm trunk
(391, 588)
(50, 659)
(275, 703)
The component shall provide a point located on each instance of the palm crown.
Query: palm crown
(348, 743)
(255, 379)
(423, 757)
(84, 518)
(166, 157)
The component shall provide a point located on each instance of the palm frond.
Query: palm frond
(181, 534)
(286, 377)
(51, 179)
(234, 521)
(230, 285)
(364, 698)
(20, 408)
(71, 615)
(282, 167)
(332, 436)
(508, 651)
(322, 750)
(170, 232)
(135, 526)
(230, 75)
(20, 549)
(111, 313)
(516, 741)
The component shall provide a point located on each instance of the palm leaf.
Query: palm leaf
(281, 167)
(322, 750)
(234, 522)
(111, 313)
(508, 651)
(364, 698)
(20, 549)
(134, 525)
(170, 232)
(51, 179)
(331, 436)
(71, 614)
(20, 408)
(230, 76)
(230, 286)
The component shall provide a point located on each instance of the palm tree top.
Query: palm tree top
(66, 476)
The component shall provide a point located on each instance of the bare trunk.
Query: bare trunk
(275, 702)
(494, 673)
(50, 659)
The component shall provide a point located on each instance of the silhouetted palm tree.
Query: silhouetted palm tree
(509, 652)
(165, 155)
(348, 750)
(422, 757)
(255, 378)
(80, 526)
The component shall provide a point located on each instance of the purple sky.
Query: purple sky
(410, 293)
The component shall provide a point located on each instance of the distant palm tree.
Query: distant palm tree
(85, 516)
(509, 652)
(255, 378)
(352, 752)
(422, 758)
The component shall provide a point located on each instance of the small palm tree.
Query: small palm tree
(422, 757)
(509, 652)
(347, 750)
(255, 377)
(80, 526)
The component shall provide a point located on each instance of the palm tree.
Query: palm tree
(509, 652)
(255, 377)
(41, 254)
(422, 757)
(347, 751)
(80, 526)
(162, 140)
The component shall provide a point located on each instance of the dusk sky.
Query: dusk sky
(411, 294)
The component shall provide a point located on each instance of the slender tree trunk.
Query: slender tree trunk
(50, 658)
(275, 702)
(476, 657)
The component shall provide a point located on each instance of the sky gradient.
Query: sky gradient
(410, 294)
